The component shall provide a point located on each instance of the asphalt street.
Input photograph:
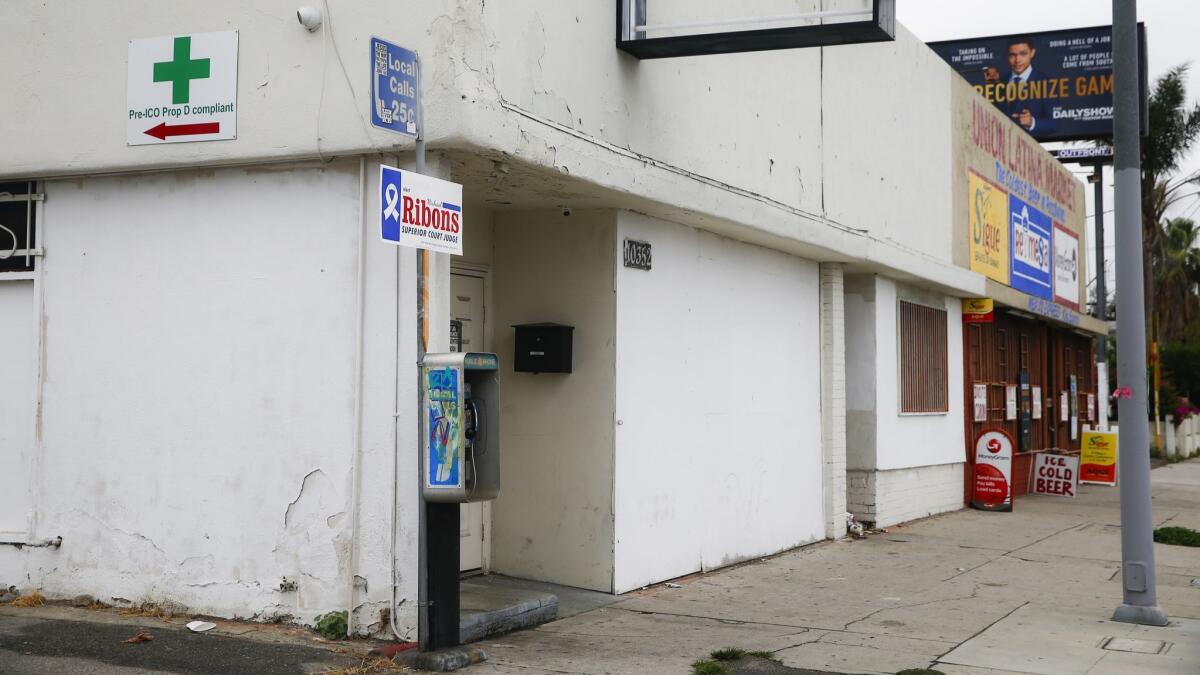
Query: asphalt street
(31, 644)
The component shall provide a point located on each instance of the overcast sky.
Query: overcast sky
(1172, 35)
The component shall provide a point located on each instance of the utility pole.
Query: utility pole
(1140, 602)
(1097, 179)
(1102, 389)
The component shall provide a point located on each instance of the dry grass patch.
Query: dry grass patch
(31, 599)
(368, 666)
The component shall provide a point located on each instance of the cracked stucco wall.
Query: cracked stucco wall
(199, 386)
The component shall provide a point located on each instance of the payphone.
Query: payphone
(460, 427)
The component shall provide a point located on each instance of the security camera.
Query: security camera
(566, 210)
(309, 17)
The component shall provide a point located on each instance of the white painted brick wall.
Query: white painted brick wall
(889, 497)
(833, 398)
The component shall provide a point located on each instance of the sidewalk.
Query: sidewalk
(968, 592)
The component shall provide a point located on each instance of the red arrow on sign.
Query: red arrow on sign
(163, 129)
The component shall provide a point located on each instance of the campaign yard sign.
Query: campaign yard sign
(1058, 85)
(420, 211)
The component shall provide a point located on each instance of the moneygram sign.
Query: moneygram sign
(1058, 85)
(182, 88)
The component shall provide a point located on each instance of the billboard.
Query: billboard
(1058, 85)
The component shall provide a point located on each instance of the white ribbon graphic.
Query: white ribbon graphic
(392, 195)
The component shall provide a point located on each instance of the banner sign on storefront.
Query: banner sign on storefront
(1037, 403)
(1066, 267)
(420, 211)
(987, 222)
(992, 484)
(978, 310)
(1055, 475)
(1058, 85)
(1031, 253)
(1098, 458)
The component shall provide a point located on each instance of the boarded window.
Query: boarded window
(923, 359)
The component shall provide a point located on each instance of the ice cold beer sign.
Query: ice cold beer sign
(1055, 475)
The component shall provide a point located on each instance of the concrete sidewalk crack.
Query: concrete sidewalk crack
(716, 618)
(801, 644)
(981, 630)
(517, 664)
(972, 569)
(974, 594)
(1169, 518)
(1052, 534)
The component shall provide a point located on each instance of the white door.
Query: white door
(18, 382)
(466, 306)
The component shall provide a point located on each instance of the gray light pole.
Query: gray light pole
(1140, 603)
(1101, 282)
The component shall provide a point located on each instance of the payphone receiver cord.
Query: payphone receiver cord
(480, 428)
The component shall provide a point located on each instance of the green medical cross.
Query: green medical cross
(181, 70)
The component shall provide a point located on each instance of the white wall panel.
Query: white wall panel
(718, 404)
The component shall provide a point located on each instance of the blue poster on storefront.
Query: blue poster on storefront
(1031, 251)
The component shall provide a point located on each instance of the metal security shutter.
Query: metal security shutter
(923, 355)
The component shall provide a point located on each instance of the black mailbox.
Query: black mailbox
(543, 348)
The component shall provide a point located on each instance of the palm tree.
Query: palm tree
(1176, 275)
(1174, 128)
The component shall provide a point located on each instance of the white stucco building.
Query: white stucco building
(210, 357)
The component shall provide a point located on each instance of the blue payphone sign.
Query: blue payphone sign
(443, 465)
(395, 88)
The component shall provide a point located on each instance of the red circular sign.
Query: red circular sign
(992, 484)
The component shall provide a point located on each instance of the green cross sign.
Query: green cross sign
(181, 70)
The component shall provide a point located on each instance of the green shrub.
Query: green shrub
(708, 668)
(1179, 536)
(332, 626)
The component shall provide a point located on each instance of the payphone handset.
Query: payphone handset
(459, 464)
(472, 427)
(470, 417)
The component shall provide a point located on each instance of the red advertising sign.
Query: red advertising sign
(1055, 475)
(992, 489)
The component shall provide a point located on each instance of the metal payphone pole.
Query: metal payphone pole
(438, 619)
(1140, 603)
